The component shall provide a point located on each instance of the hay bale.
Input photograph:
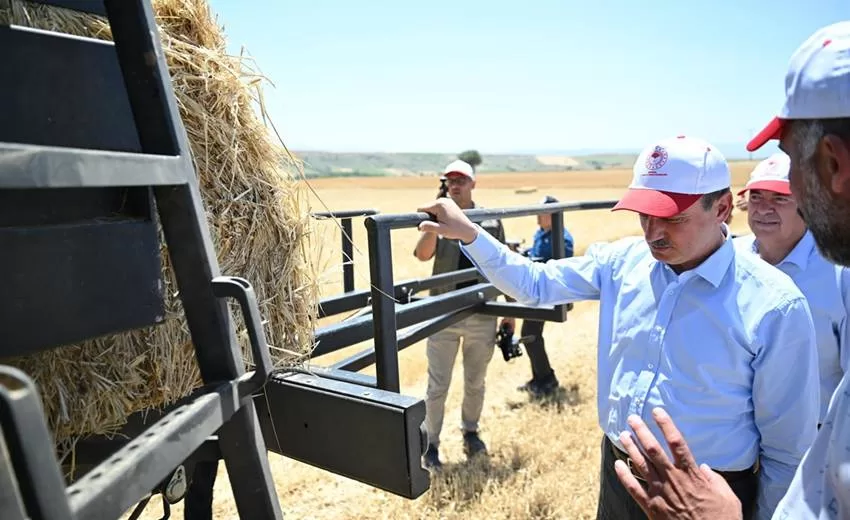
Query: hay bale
(255, 212)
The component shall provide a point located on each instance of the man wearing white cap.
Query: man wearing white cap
(814, 130)
(780, 237)
(684, 323)
(477, 332)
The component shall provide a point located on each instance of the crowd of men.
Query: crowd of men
(734, 346)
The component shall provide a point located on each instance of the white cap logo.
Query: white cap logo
(656, 160)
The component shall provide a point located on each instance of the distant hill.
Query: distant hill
(351, 164)
(331, 164)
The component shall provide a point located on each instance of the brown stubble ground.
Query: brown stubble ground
(544, 459)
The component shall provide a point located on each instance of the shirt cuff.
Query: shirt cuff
(483, 247)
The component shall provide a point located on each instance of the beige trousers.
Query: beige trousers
(478, 335)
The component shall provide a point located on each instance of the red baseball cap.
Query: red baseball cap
(771, 174)
(817, 83)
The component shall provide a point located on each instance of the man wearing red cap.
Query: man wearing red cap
(780, 237)
(814, 130)
(684, 322)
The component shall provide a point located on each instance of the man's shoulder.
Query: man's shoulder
(759, 280)
(744, 240)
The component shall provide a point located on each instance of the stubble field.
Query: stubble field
(544, 460)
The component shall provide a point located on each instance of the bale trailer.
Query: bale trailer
(89, 173)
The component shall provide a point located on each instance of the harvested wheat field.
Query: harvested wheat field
(544, 460)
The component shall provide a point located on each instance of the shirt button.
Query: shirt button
(650, 365)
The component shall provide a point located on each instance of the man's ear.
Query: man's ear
(724, 207)
(833, 161)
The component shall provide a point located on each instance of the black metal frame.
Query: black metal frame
(237, 416)
(393, 305)
(162, 164)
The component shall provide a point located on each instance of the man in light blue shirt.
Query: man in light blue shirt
(813, 128)
(684, 323)
(780, 237)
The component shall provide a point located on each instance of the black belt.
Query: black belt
(729, 476)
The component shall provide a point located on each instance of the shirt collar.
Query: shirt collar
(713, 268)
(800, 254)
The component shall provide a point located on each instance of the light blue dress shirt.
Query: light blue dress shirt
(727, 349)
(824, 285)
(821, 487)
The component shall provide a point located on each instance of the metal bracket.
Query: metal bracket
(176, 487)
(241, 290)
(30, 444)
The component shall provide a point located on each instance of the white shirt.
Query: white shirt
(824, 285)
(715, 346)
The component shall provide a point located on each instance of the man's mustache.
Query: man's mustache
(659, 243)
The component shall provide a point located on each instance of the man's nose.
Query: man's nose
(655, 229)
(761, 207)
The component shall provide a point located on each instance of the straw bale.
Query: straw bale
(256, 211)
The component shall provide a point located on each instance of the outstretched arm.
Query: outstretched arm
(530, 283)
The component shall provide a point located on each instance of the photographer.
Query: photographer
(543, 382)
(478, 332)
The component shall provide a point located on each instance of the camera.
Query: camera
(444, 188)
(507, 344)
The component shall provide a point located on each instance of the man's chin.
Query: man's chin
(661, 254)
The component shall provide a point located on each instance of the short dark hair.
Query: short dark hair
(709, 199)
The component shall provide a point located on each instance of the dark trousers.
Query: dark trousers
(199, 497)
(615, 503)
(536, 349)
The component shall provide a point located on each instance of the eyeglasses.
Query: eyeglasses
(460, 181)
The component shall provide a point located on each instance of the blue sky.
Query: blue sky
(502, 77)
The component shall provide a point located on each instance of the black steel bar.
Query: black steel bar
(410, 287)
(340, 335)
(523, 312)
(407, 220)
(332, 372)
(35, 166)
(357, 299)
(417, 333)
(132, 471)
(345, 214)
(559, 313)
(193, 258)
(343, 303)
(383, 305)
(358, 361)
(347, 256)
(29, 441)
(423, 330)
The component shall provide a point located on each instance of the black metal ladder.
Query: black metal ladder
(93, 155)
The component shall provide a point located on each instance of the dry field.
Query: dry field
(544, 459)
